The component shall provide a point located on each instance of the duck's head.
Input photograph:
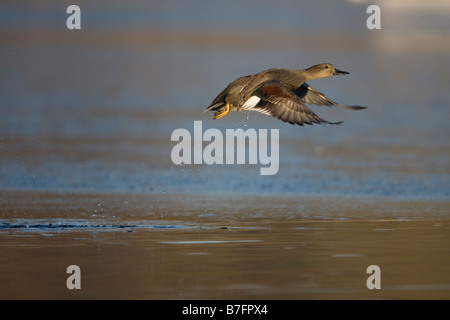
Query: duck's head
(323, 70)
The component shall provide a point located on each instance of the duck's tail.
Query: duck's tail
(214, 107)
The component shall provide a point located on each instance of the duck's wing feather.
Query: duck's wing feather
(273, 98)
(311, 96)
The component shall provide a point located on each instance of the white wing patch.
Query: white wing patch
(251, 103)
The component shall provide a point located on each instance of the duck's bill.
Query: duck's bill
(337, 71)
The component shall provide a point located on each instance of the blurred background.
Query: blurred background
(92, 110)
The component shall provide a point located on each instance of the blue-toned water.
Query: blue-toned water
(93, 110)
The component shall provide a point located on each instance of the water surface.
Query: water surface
(86, 176)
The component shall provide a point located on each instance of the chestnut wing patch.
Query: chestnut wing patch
(274, 89)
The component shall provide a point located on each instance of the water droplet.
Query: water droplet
(246, 118)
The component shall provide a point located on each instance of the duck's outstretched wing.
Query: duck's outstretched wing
(311, 96)
(273, 98)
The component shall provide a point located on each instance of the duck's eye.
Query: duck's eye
(326, 67)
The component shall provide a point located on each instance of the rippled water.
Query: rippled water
(86, 175)
(219, 247)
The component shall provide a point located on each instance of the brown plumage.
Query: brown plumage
(281, 93)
